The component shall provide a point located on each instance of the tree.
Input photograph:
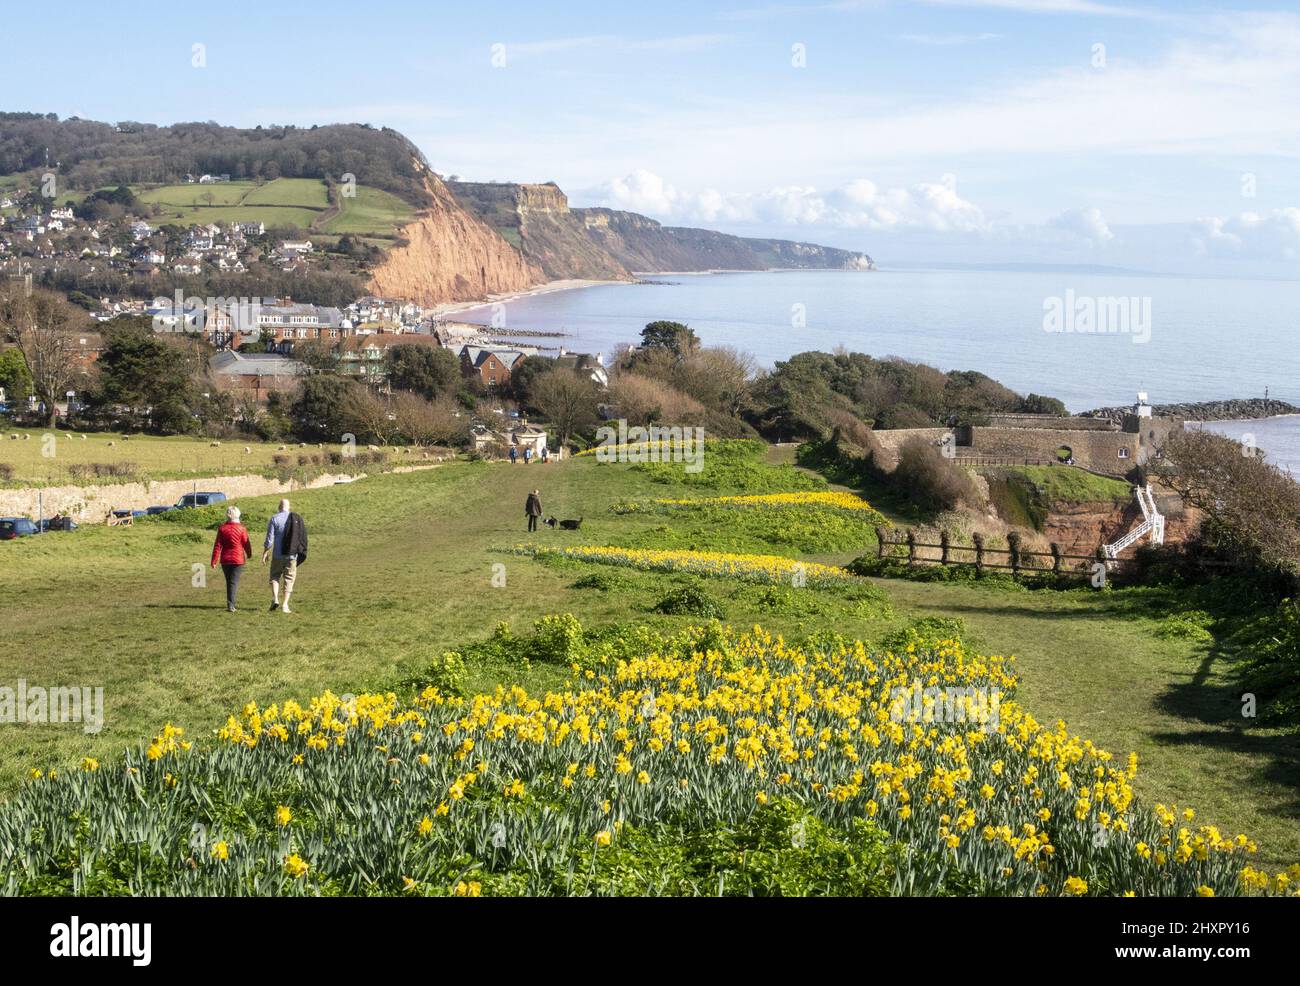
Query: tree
(1253, 507)
(525, 372)
(425, 370)
(328, 407)
(44, 327)
(643, 400)
(152, 377)
(680, 339)
(375, 417)
(15, 380)
(567, 400)
(423, 422)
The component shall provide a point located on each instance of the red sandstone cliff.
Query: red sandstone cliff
(1079, 527)
(451, 256)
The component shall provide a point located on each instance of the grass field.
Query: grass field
(149, 458)
(301, 202)
(402, 568)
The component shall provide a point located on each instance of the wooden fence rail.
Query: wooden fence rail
(1018, 559)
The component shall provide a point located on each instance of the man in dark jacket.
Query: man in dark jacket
(533, 508)
(286, 543)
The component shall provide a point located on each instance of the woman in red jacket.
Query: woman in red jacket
(232, 550)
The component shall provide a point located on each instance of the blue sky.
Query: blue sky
(1162, 136)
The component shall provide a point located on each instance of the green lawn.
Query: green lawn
(401, 568)
(1070, 484)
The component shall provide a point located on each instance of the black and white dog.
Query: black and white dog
(568, 525)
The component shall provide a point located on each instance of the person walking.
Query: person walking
(286, 548)
(533, 508)
(232, 550)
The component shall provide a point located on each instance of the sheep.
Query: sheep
(214, 445)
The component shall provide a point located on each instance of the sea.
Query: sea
(1091, 337)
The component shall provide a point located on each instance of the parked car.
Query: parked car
(154, 511)
(16, 527)
(57, 524)
(200, 500)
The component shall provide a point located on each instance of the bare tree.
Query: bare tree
(567, 400)
(44, 326)
(642, 400)
(428, 422)
(375, 416)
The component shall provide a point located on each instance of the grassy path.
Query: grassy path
(401, 569)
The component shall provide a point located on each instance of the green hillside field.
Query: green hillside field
(300, 202)
(406, 566)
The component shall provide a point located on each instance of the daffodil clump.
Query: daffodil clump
(838, 500)
(767, 569)
(710, 736)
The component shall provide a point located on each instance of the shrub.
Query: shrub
(446, 673)
(557, 639)
(1191, 625)
(930, 480)
(689, 600)
(82, 471)
(601, 581)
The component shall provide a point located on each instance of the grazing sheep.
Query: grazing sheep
(214, 445)
(13, 437)
(280, 449)
(111, 444)
(247, 450)
(27, 438)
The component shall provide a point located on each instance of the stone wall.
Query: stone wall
(891, 440)
(1095, 450)
(91, 504)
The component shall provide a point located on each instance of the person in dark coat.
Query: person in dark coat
(232, 550)
(533, 508)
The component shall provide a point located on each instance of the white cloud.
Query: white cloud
(1085, 225)
(931, 208)
(1272, 235)
(860, 204)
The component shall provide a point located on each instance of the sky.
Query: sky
(1154, 136)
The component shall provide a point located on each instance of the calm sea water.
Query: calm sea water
(1205, 338)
